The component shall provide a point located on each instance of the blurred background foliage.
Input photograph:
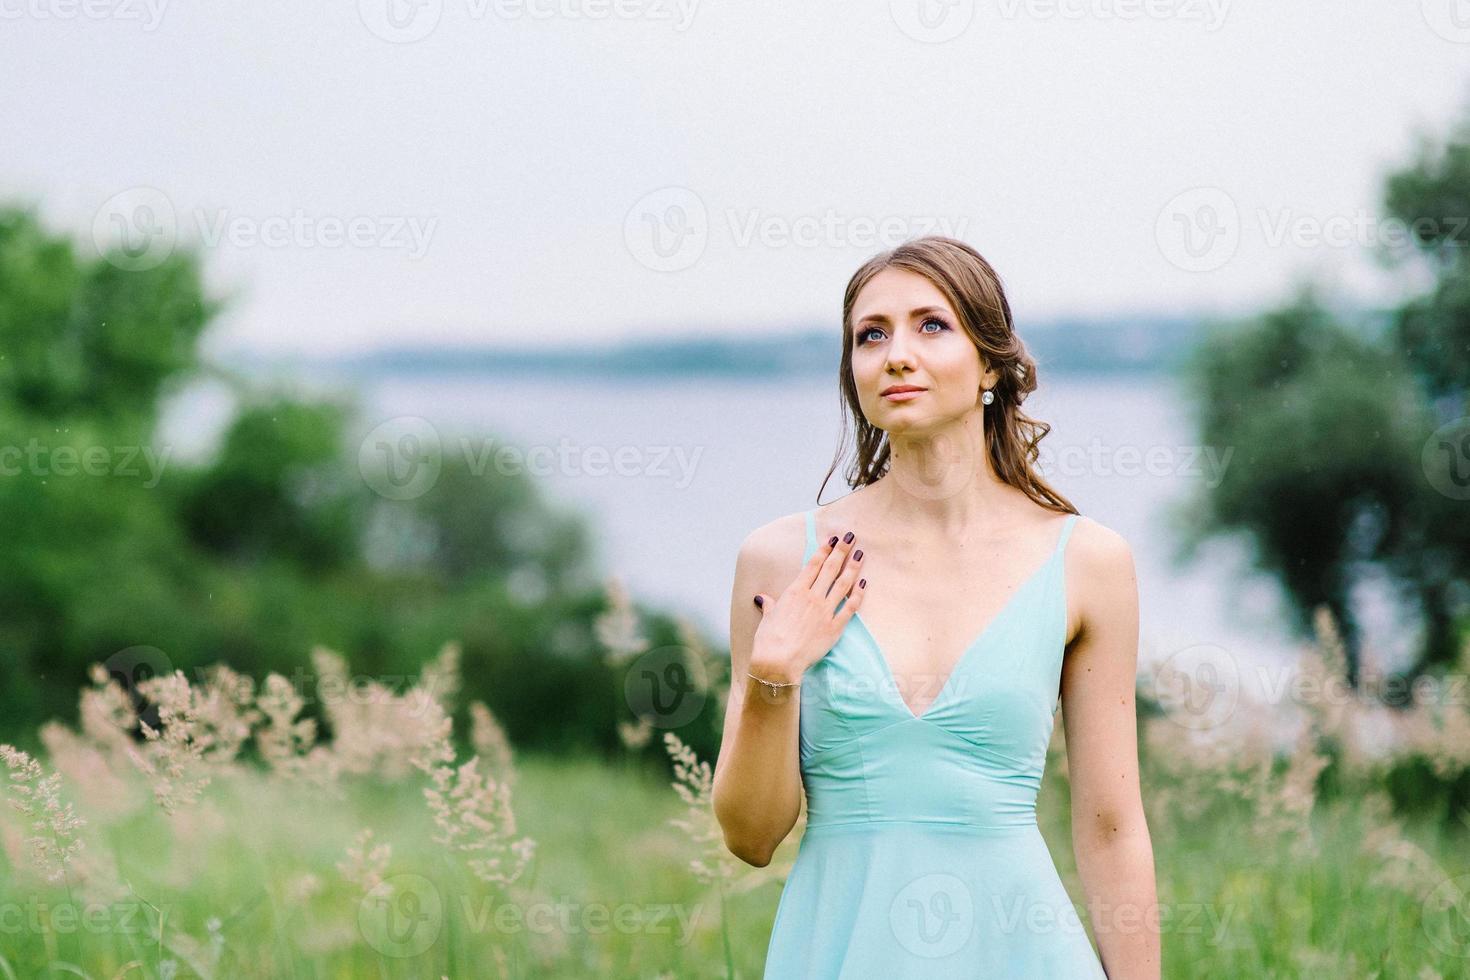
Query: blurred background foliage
(274, 544)
(1336, 425)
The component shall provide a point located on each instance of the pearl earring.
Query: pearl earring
(988, 397)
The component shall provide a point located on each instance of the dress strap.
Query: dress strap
(811, 535)
(1066, 533)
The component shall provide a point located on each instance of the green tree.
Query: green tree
(86, 339)
(86, 350)
(279, 487)
(1323, 449)
(273, 544)
(1330, 424)
(1428, 547)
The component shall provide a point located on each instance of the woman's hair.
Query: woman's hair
(974, 290)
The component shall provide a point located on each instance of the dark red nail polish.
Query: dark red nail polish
(759, 604)
(857, 555)
(833, 541)
(862, 583)
(847, 538)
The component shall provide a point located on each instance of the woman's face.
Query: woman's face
(906, 334)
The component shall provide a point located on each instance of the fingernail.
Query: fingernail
(833, 541)
(857, 555)
(759, 603)
(847, 538)
(862, 583)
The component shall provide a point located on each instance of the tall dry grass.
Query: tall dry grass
(1276, 856)
(99, 781)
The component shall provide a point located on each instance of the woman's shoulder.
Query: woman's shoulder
(1098, 547)
(778, 545)
(776, 541)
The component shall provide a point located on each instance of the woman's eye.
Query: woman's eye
(862, 337)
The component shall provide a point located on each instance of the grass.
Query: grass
(609, 893)
(383, 854)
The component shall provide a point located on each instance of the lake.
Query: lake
(674, 474)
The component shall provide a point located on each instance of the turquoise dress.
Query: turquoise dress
(921, 856)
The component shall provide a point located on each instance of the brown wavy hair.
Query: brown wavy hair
(974, 290)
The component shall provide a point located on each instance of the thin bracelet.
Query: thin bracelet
(774, 684)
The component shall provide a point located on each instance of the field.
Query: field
(390, 852)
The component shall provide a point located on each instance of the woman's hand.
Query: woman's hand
(803, 623)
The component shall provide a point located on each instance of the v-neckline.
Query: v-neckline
(985, 631)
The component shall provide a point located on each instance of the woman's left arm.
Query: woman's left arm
(1110, 838)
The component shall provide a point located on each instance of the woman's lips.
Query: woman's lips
(903, 396)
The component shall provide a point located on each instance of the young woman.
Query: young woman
(906, 670)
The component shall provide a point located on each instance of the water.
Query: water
(673, 475)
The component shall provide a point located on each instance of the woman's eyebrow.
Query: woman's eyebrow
(883, 318)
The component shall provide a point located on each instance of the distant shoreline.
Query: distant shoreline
(1146, 344)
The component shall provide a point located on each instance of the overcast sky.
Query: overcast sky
(569, 170)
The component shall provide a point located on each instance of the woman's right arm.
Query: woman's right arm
(757, 779)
